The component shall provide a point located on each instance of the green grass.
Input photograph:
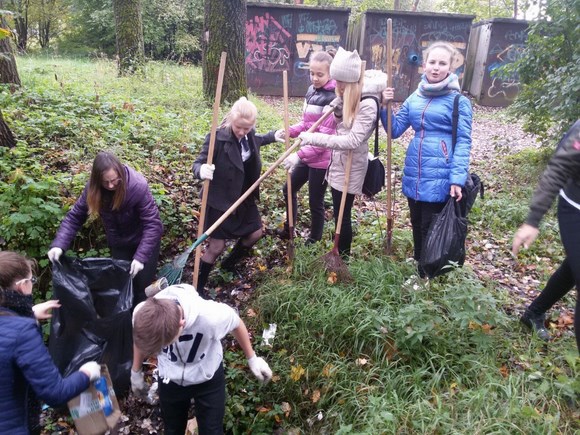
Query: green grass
(379, 355)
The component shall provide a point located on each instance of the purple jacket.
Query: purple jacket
(314, 103)
(136, 223)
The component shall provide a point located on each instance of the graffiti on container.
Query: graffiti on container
(267, 44)
(504, 85)
(306, 24)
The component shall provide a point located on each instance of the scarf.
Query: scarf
(444, 87)
(17, 302)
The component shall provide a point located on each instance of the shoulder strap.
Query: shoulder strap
(376, 150)
(455, 121)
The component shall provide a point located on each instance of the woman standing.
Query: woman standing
(122, 198)
(26, 369)
(355, 120)
(434, 170)
(309, 164)
(236, 166)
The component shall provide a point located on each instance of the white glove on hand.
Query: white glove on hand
(138, 385)
(291, 162)
(54, 254)
(280, 136)
(92, 370)
(206, 171)
(260, 368)
(136, 267)
(306, 138)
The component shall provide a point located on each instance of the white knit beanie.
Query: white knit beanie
(345, 66)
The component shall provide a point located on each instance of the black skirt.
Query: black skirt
(243, 222)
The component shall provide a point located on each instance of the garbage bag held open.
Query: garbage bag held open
(94, 320)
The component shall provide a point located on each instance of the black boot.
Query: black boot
(239, 251)
(204, 270)
(536, 323)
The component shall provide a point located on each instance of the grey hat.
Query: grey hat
(345, 66)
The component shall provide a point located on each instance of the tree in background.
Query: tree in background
(549, 71)
(482, 9)
(11, 76)
(225, 30)
(129, 35)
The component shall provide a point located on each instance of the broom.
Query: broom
(290, 208)
(389, 239)
(174, 270)
(253, 187)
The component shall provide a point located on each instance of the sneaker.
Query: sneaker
(536, 323)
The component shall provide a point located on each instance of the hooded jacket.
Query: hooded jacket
(431, 165)
(196, 355)
(314, 103)
(354, 138)
(136, 223)
(562, 175)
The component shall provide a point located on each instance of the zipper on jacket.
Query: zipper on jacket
(421, 150)
(445, 153)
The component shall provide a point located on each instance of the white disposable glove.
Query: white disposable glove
(260, 368)
(206, 171)
(291, 162)
(136, 267)
(138, 385)
(306, 138)
(92, 370)
(54, 254)
(280, 135)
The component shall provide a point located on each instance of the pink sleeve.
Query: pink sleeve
(328, 126)
(296, 129)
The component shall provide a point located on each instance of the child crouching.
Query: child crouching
(185, 332)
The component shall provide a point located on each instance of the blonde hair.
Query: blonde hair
(243, 108)
(351, 102)
(450, 48)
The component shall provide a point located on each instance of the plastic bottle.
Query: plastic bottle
(103, 395)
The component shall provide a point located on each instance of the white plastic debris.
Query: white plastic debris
(269, 334)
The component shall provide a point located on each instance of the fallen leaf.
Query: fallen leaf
(315, 396)
(361, 361)
(332, 278)
(296, 372)
(504, 371)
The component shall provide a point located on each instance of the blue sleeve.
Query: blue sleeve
(460, 162)
(400, 122)
(32, 357)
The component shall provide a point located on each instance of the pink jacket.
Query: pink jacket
(314, 103)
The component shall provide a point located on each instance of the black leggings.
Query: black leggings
(345, 239)
(568, 274)
(422, 213)
(316, 188)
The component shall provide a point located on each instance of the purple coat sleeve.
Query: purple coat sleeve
(72, 223)
(152, 226)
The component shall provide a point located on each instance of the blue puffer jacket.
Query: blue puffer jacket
(24, 365)
(431, 167)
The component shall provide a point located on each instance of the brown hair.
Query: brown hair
(102, 163)
(13, 268)
(155, 325)
(445, 46)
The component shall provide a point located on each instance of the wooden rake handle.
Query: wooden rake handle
(265, 175)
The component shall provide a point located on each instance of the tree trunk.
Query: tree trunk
(397, 5)
(8, 70)
(21, 22)
(6, 136)
(225, 30)
(129, 33)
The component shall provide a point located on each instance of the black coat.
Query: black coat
(229, 177)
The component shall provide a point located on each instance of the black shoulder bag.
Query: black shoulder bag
(375, 176)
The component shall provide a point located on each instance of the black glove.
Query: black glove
(337, 105)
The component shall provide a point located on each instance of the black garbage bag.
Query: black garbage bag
(473, 187)
(94, 320)
(445, 241)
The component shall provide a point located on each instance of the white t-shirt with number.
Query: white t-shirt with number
(196, 355)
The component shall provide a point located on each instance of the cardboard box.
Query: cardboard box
(96, 410)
